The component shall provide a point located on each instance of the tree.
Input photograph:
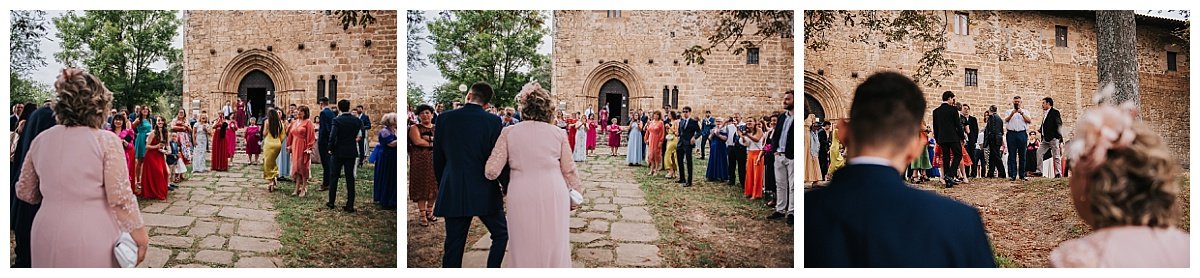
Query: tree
(1116, 55)
(499, 47)
(28, 29)
(349, 18)
(416, 95)
(883, 29)
(118, 47)
(732, 28)
(415, 38)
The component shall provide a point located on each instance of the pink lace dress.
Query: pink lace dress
(1126, 246)
(539, 208)
(85, 206)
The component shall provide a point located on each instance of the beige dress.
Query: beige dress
(538, 203)
(85, 206)
(1127, 246)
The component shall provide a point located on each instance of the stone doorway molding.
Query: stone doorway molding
(256, 59)
(836, 105)
(614, 70)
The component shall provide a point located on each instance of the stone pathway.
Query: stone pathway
(215, 219)
(613, 228)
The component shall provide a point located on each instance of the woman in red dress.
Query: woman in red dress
(220, 149)
(231, 138)
(571, 129)
(154, 169)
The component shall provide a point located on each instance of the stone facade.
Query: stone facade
(643, 51)
(1015, 53)
(224, 49)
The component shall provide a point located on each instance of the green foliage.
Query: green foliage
(917, 29)
(499, 47)
(24, 90)
(28, 29)
(355, 18)
(731, 32)
(415, 38)
(118, 47)
(416, 95)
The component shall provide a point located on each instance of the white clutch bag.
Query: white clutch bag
(576, 198)
(126, 251)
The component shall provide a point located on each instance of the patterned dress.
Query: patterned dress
(422, 182)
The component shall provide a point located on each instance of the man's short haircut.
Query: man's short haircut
(1049, 100)
(887, 109)
(343, 105)
(947, 95)
(687, 109)
(482, 91)
(323, 101)
(1016, 97)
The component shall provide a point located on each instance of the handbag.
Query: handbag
(126, 251)
(576, 198)
(315, 157)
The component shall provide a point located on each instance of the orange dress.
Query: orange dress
(301, 136)
(654, 138)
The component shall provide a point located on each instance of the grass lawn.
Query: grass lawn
(314, 236)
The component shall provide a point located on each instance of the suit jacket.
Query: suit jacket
(342, 134)
(366, 121)
(1051, 125)
(325, 126)
(775, 136)
(993, 133)
(947, 127)
(19, 211)
(868, 217)
(463, 141)
(972, 126)
(688, 132)
(823, 139)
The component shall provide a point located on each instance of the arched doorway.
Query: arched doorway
(813, 106)
(615, 96)
(254, 88)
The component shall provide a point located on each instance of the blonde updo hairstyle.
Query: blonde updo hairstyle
(1137, 185)
(82, 99)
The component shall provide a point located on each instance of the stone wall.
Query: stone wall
(293, 48)
(646, 48)
(1015, 54)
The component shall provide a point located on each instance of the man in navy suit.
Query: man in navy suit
(21, 214)
(343, 148)
(689, 129)
(325, 119)
(867, 216)
(463, 141)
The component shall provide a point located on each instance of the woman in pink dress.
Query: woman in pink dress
(655, 134)
(301, 138)
(253, 149)
(241, 113)
(614, 136)
(1126, 187)
(122, 130)
(592, 125)
(78, 173)
(542, 176)
(231, 139)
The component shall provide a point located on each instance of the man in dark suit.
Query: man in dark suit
(21, 214)
(325, 124)
(823, 149)
(949, 134)
(784, 142)
(867, 216)
(993, 140)
(689, 130)
(343, 148)
(706, 126)
(1051, 137)
(736, 151)
(463, 140)
(362, 135)
(972, 126)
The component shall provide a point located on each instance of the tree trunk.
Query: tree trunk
(1116, 55)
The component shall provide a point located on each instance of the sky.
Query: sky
(49, 45)
(429, 77)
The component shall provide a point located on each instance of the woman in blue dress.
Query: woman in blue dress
(142, 127)
(635, 154)
(717, 170)
(385, 164)
(285, 158)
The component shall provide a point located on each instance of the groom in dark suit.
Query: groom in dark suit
(867, 216)
(949, 133)
(343, 149)
(689, 129)
(463, 140)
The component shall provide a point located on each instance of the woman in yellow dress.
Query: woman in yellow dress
(812, 168)
(272, 144)
(835, 151)
(672, 142)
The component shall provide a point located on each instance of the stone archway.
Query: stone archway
(615, 96)
(610, 71)
(256, 59)
(257, 89)
(832, 104)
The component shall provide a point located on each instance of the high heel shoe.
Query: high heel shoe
(424, 219)
(430, 216)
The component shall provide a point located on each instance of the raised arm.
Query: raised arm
(499, 157)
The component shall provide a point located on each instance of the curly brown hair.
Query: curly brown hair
(1137, 185)
(537, 106)
(82, 99)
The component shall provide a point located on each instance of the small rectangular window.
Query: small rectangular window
(1060, 36)
(962, 23)
(614, 14)
(752, 56)
(1172, 63)
(972, 78)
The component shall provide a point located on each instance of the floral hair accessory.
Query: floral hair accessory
(1108, 126)
(533, 85)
